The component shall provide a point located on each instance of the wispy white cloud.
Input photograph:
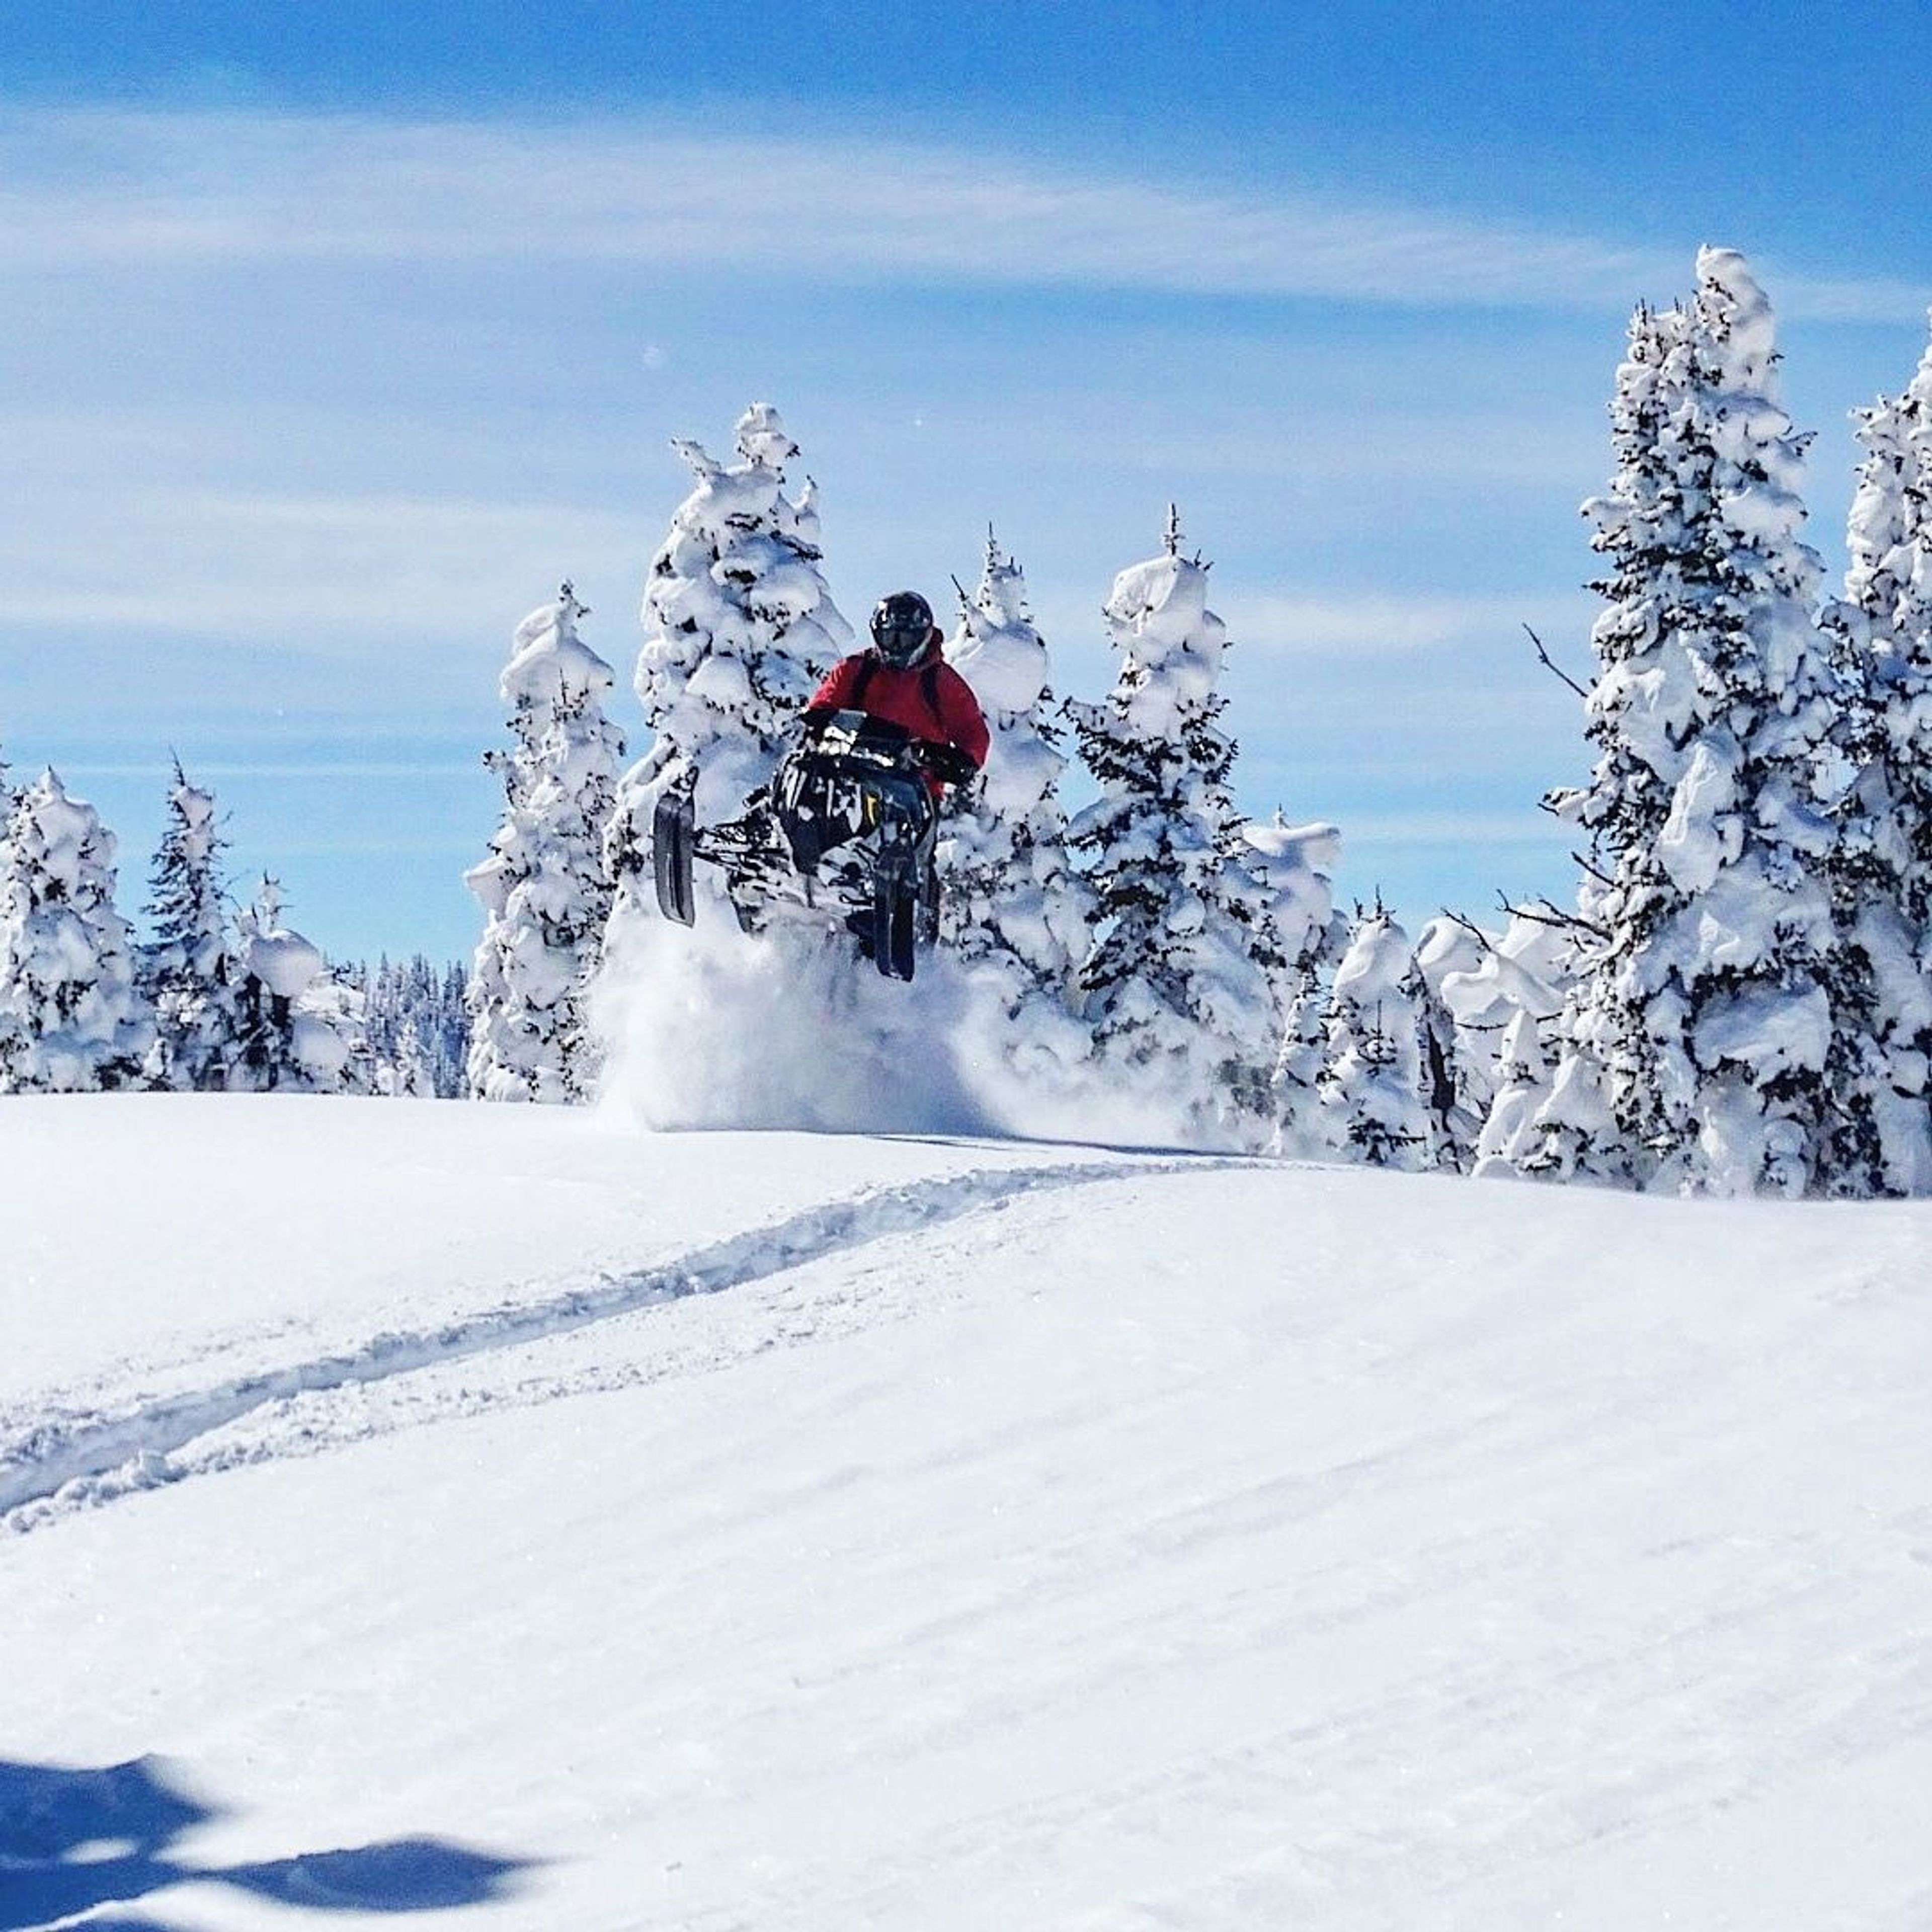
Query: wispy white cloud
(353, 575)
(106, 185)
(241, 184)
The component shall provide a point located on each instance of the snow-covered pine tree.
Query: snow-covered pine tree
(1883, 628)
(10, 1031)
(380, 987)
(1510, 1137)
(544, 887)
(13, 1037)
(1178, 985)
(1706, 1009)
(1295, 1088)
(302, 1027)
(1290, 870)
(1507, 1007)
(418, 1025)
(1012, 904)
(187, 970)
(1460, 1055)
(445, 1012)
(739, 626)
(1371, 1080)
(409, 1069)
(72, 1019)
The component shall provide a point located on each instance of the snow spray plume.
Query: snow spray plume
(705, 1027)
(708, 1027)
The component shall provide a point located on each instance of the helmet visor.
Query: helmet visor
(902, 641)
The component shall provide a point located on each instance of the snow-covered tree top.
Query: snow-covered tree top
(1889, 532)
(1377, 962)
(996, 650)
(740, 553)
(1524, 971)
(1171, 644)
(194, 808)
(1276, 849)
(284, 961)
(68, 839)
(550, 665)
(1162, 604)
(1446, 945)
(1734, 307)
(743, 489)
(762, 439)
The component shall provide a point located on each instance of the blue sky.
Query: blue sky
(332, 340)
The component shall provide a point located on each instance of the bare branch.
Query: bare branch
(1602, 878)
(1469, 926)
(1544, 914)
(1550, 664)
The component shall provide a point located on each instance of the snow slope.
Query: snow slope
(495, 1517)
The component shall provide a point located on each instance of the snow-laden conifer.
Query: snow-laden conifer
(1290, 871)
(1295, 1088)
(72, 1018)
(1706, 1012)
(739, 626)
(302, 1028)
(1511, 1137)
(11, 1036)
(410, 1069)
(1459, 1053)
(1177, 987)
(543, 888)
(417, 1018)
(1011, 906)
(1883, 625)
(1286, 874)
(1371, 1085)
(187, 970)
(1506, 1006)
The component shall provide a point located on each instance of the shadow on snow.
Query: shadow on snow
(72, 1840)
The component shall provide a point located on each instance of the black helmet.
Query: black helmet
(903, 629)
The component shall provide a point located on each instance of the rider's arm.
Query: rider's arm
(835, 693)
(959, 712)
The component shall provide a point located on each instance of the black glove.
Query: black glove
(947, 763)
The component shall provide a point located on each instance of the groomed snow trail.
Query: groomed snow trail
(65, 1461)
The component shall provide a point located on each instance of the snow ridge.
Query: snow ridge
(80, 1459)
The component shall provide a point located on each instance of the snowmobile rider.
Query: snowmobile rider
(903, 679)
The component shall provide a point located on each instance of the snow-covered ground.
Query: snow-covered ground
(500, 1517)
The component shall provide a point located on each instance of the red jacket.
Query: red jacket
(932, 700)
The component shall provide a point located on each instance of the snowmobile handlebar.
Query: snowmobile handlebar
(879, 741)
(947, 763)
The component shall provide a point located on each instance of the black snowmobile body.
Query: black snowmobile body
(843, 835)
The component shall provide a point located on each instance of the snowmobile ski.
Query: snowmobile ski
(673, 837)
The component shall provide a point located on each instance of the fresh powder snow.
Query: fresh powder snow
(477, 1516)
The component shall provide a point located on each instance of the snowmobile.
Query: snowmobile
(842, 835)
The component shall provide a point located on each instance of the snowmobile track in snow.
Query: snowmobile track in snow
(84, 1448)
